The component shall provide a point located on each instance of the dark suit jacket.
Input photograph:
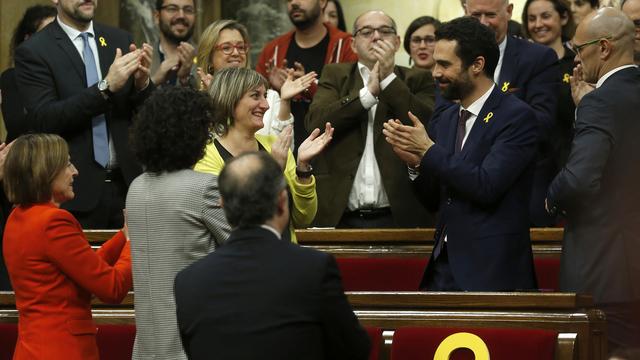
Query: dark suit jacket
(482, 193)
(337, 101)
(52, 83)
(258, 297)
(598, 192)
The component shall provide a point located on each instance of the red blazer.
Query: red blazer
(54, 271)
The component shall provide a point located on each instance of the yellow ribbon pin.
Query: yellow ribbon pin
(505, 86)
(566, 78)
(489, 116)
(103, 42)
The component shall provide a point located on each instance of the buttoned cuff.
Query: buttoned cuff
(367, 99)
(384, 83)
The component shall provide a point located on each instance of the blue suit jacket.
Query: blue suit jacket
(482, 193)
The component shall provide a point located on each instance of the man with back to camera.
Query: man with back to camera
(172, 62)
(529, 71)
(308, 47)
(360, 182)
(256, 296)
(474, 166)
(82, 80)
(597, 190)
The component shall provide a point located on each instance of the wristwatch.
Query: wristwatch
(304, 174)
(103, 86)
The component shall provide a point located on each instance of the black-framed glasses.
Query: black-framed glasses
(367, 32)
(428, 40)
(227, 48)
(576, 48)
(174, 9)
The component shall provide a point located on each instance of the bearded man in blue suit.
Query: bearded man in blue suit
(475, 166)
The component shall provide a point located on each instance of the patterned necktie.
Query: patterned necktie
(99, 123)
(462, 129)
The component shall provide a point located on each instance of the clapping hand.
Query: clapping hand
(205, 79)
(277, 76)
(291, 87)
(579, 87)
(409, 142)
(280, 147)
(314, 144)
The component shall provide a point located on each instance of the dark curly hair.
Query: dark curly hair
(29, 24)
(171, 129)
(473, 40)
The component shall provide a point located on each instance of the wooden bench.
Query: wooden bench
(569, 314)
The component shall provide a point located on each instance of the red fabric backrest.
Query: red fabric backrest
(375, 335)
(381, 274)
(548, 273)
(8, 338)
(504, 344)
(115, 342)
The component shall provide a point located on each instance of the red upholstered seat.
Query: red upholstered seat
(8, 338)
(503, 344)
(375, 335)
(381, 274)
(547, 273)
(115, 342)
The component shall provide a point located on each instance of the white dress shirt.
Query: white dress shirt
(502, 46)
(611, 72)
(367, 191)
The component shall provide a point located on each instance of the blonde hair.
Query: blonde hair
(32, 164)
(209, 39)
(228, 87)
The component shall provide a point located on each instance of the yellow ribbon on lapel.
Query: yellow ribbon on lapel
(489, 116)
(505, 86)
(566, 78)
(103, 42)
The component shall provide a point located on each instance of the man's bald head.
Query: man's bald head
(611, 22)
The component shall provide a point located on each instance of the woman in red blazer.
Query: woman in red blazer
(52, 268)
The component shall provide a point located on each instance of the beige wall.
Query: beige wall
(404, 11)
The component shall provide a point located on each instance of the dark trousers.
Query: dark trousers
(367, 219)
(108, 212)
(438, 275)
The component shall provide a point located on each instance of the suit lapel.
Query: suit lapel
(451, 130)
(507, 79)
(382, 116)
(483, 122)
(106, 52)
(68, 48)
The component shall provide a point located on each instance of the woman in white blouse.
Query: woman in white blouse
(225, 43)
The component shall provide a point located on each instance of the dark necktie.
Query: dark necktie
(462, 129)
(99, 122)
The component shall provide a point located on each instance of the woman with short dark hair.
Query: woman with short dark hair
(52, 268)
(174, 214)
(420, 41)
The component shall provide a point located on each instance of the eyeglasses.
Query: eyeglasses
(174, 9)
(428, 40)
(367, 32)
(636, 23)
(227, 48)
(576, 48)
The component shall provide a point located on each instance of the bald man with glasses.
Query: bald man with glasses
(597, 190)
(359, 180)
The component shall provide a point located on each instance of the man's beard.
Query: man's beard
(308, 19)
(458, 88)
(174, 38)
(80, 16)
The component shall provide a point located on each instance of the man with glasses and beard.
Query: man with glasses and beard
(359, 180)
(475, 166)
(308, 47)
(173, 54)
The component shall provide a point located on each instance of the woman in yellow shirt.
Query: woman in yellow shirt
(239, 97)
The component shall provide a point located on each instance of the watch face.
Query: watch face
(103, 85)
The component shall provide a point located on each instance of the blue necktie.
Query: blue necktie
(99, 123)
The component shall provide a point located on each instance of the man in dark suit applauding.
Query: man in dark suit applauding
(360, 182)
(81, 80)
(475, 166)
(258, 297)
(597, 190)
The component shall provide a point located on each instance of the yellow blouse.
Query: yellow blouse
(305, 200)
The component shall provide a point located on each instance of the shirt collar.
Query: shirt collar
(477, 105)
(363, 70)
(611, 72)
(503, 45)
(274, 231)
(73, 33)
